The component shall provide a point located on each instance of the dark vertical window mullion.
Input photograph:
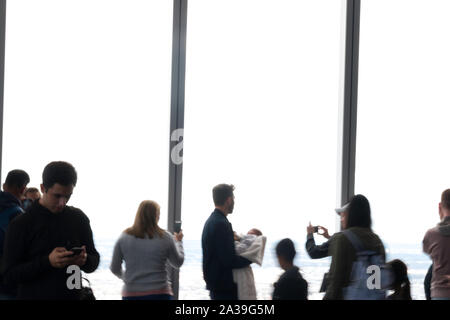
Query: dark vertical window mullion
(2, 74)
(177, 122)
(349, 119)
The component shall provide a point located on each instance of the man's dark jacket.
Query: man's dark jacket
(290, 286)
(31, 237)
(219, 255)
(7, 202)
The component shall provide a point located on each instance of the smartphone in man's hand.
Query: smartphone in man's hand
(76, 251)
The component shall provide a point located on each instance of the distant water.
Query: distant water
(106, 286)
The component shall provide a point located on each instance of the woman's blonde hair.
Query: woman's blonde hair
(146, 221)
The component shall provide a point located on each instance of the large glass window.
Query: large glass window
(403, 111)
(262, 82)
(89, 82)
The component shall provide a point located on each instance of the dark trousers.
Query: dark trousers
(427, 283)
(223, 295)
(150, 297)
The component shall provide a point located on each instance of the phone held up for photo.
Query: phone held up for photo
(177, 227)
(316, 229)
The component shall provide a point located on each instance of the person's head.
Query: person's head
(343, 214)
(255, 232)
(32, 194)
(223, 197)
(285, 251)
(400, 283)
(444, 205)
(356, 213)
(58, 180)
(146, 221)
(16, 182)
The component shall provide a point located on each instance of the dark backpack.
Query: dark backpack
(361, 286)
(5, 218)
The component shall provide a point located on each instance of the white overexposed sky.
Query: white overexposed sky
(88, 82)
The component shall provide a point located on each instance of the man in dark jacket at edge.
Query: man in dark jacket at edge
(37, 244)
(219, 255)
(10, 207)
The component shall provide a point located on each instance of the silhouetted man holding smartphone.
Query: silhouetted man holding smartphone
(41, 244)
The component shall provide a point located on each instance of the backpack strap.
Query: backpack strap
(353, 238)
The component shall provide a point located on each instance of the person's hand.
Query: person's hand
(324, 232)
(59, 257)
(235, 236)
(80, 259)
(310, 229)
(178, 236)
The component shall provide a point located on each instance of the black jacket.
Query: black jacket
(7, 202)
(290, 286)
(316, 251)
(31, 237)
(219, 255)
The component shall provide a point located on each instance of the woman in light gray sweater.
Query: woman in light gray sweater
(146, 248)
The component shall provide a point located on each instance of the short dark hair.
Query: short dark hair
(445, 199)
(17, 178)
(59, 172)
(221, 193)
(359, 212)
(31, 189)
(286, 249)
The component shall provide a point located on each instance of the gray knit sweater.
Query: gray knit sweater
(145, 261)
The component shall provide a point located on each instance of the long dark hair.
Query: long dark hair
(359, 212)
(401, 284)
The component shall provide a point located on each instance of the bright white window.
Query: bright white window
(89, 82)
(403, 111)
(262, 81)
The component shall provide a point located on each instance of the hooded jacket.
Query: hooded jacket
(7, 201)
(7, 214)
(436, 244)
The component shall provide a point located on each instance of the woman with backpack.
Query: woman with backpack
(357, 236)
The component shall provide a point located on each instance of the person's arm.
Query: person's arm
(340, 268)
(227, 254)
(93, 257)
(426, 243)
(176, 252)
(116, 261)
(316, 251)
(16, 266)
